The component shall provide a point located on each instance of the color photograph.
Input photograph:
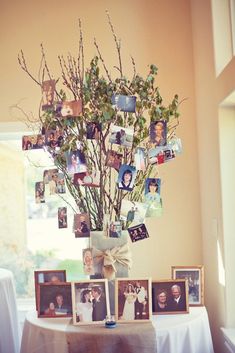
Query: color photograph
(121, 136)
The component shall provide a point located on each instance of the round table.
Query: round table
(186, 333)
(9, 326)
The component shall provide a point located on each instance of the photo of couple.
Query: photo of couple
(132, 300)
(90, 301)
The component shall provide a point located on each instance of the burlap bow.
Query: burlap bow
(119, 254)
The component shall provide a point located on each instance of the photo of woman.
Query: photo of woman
(126, 177)
(84, 307)
(152, 190)
(129, 306)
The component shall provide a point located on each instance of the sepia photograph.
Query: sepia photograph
(170, 296)
(90, 300)
(195, 277)
(133, 299)
(55, 299)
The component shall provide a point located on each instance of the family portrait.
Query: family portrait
(90, 301)
(121, 136)
(124, 103)
(81, 225)
(158, 133)
(195, 277)
(47, 276)
(126, 177)
(55, 299)
(138, 232)
(133, 299)
(170, 296)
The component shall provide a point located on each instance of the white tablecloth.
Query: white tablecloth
(187, 333)
(9, 326)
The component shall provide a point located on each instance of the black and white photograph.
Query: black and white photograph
(90, 301)
(126, 177)
(138, 232)
(170, 296)
(121, 136)
(124, 103)
(195, 277)
(133, 299)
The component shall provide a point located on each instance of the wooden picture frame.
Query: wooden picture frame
(47, 276)
(54, 300)
(195, 276)
(133, 299)
(90, 301)
(170, 296)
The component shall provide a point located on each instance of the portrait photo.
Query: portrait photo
(90, 300)
(91, 179)
(81, 225)
(55, 300)
(158, 133)
(133, 212)
(170, 296)
(93, 130)
(48, 92)
(126, 177)
(76, 161)
(47, 276)
(115, 229)
(60, 184)
(133, 299)
(121, 136)
(62, 217)
(138, 232)
(195, 277)
(113, 159)
(124, 103)
(140, 158)
(87, 258)
(152, 190)
(39, 192)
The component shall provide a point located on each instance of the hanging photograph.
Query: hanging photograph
(156, 156)
(126, 177)
(62, 217)
(140, 158)
(67, 109)
(133, 212)
(55, 300)
(115, 229)
(31, 142)
(152, 197)
(170, 296)
(138, 232)
(53, 139)
(175, 144)
(87, 257)
(195, 277)
(39, 192)
(48, 92)
(124, 103)
(93, 130)
(81, 225)
(60, 184)
(76, 161)
(133, 299)
(158, 133)
(47, 276)
(90, 300)
(121, 136)
(113, 159)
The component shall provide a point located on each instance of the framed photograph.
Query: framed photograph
(90, 300)
(47, 276)
(55, 299)
(133, 300)
(170, 296)
(195, 277)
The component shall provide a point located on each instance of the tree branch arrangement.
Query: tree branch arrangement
(95, 91)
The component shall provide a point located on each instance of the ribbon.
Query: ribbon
(108, 258)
